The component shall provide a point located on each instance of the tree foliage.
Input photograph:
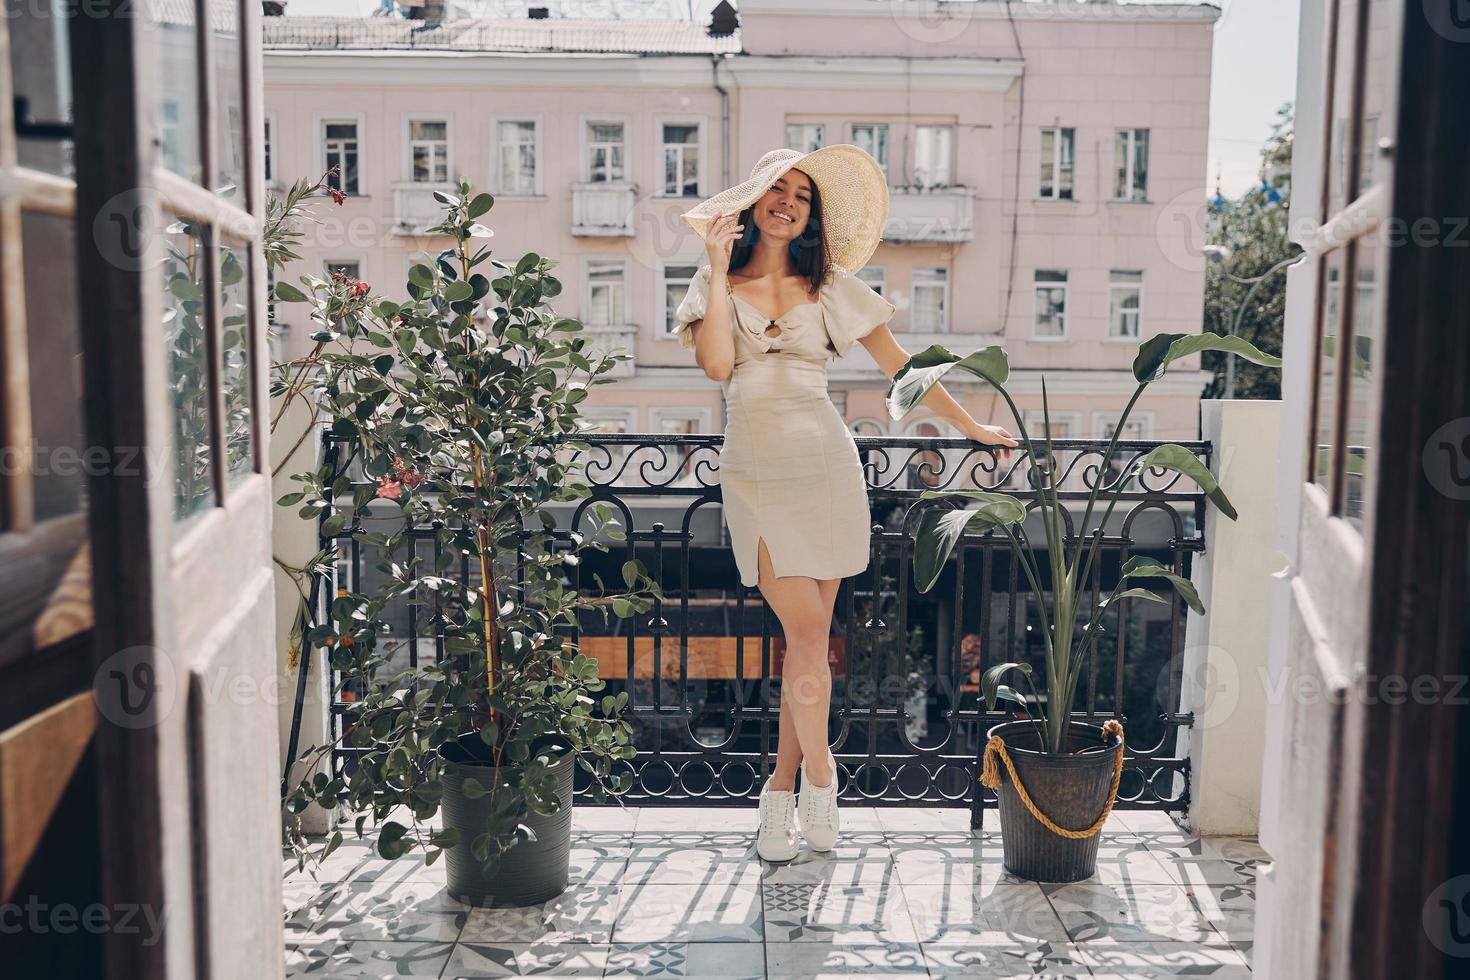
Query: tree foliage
(1254, 228)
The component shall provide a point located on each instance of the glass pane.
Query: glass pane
(1343, 150)
(187, 375)
(1064, 163)
(54, 351)
(1139, 191)
(175, 61)
(40, 66)
(234, 310)
(1048, 162)
(1380, 87)
(229, 113)
(340, 144)
(1120, 165)
(1329, 314)
(1362, 407)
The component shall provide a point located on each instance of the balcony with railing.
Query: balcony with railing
(415, 210)
(932, 214)
(604, 209)
(916, 883)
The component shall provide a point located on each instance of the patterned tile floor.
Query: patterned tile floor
(680, 892)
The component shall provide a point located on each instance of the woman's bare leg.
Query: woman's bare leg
(804, 607)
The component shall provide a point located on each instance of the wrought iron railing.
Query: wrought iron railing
(907, 721)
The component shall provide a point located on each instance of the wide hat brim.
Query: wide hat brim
(853, 191)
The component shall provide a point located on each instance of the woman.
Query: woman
(783, 248)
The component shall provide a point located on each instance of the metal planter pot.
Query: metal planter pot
(1071, 789)
(532, 871)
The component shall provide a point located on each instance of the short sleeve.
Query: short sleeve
(692, 307)
(851, 309)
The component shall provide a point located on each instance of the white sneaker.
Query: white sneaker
(817, 807)
(776, 840)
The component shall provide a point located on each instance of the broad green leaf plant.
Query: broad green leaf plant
(459, 406)
(1070, 561)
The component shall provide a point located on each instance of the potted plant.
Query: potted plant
(459, 408)
(1056, 779)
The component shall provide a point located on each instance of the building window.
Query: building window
(1130, 163)
(1058, 150)
(805, 137)
(681, 159)
(875, 276)
(675, 280)
(168, 135)
(1369, 151)
(933, 156)
(268, 148)
(1051, 303)
(517, 155)
(1134, 430)
(339, 147)
(1064, 425)
(348, 267)
(873, 137)
(606, 293)
(428, 150)
(605, 152)
(931, 300)
(679, 423)
(1125, 303)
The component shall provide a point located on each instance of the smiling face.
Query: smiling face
(781, 213)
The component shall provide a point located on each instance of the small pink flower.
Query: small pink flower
(337, 196)
(407, 475)
(390, 488)
(360, 288)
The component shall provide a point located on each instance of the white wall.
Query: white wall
(294, 542)
(1226, 650)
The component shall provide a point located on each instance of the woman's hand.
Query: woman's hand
(992, 435)
(719, 240)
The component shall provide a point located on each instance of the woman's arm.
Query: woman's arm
(891, 356)
(714, 350)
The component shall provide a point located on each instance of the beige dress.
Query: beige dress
(789, 469)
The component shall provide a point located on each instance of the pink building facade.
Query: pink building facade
(1047, 164)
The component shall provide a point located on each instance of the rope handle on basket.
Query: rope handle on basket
(990, 779)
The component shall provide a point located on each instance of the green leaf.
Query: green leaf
(1143, 567)
(925, 369)
(472, 789)
(1181, 460)
(458, 291)
(940, 529)
(990, 681)
(481, 204)
(421, 275)
(1135, 594)
(1157, 353)
(1004, 693)
(391, 841)
(287, 293)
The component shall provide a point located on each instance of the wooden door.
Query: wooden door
(1358, 807)
(169, 184)
(48, 791)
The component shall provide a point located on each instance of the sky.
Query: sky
(1254, 73)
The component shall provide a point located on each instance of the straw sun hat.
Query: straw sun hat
(853, 191)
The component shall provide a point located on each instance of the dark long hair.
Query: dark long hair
(811, 247)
